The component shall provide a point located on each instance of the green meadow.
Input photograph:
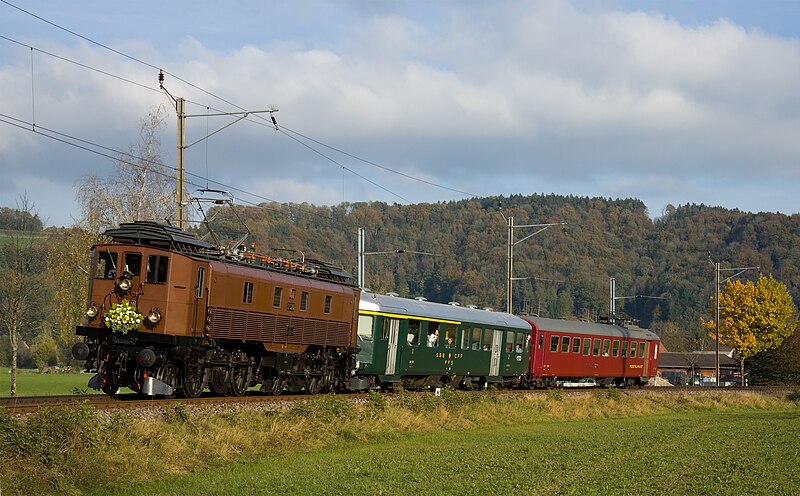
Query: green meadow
(31, 383)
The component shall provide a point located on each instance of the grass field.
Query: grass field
(602, 442)
(700, 453)
(32, 384)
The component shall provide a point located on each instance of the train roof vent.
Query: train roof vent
(472, 306)
(421, 298)
(392, 294)
(454, 303)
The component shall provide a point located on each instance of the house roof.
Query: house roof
(696, 359)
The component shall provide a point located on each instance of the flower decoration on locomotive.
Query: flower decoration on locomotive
(123, 317)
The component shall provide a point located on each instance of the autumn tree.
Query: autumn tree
(140, 188)
(753, 316)
(22, 282)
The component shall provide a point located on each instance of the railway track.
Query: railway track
(28, 404)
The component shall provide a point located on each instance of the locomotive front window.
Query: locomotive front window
(553, 343)
(106, 265)
(157, 269)
(576, 345)
(565, 344)
(133, 263)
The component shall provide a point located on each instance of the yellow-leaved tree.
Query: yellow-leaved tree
(753, 317)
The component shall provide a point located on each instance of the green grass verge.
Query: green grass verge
(34, 384)
(481, 443)
(707, 453)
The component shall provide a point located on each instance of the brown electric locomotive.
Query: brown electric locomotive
(169, 313)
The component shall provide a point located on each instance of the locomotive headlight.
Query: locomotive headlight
(154, 317)
(92, 311)
(124, 284)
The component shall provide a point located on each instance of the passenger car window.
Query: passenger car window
(520, 342)
(365, 323)
(641, 349)
(615, 348)
(564, 344)
(596, 347)
(576, 345)
(413, 332)
(587, 343)
(633, 349)
(553, 343)
(606, 346)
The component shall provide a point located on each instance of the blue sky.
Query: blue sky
(671, 102)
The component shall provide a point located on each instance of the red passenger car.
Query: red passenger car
(570, 353)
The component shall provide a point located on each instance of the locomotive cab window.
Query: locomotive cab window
(248, 293)
(157, 269)
(106, 265)
(133, 263)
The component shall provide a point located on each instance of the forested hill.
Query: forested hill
(669, 257)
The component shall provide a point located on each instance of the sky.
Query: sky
(671, 102)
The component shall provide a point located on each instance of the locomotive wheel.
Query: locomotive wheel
(193, 381)
(219, 380)
(239, 381)
(313, 384)
(168, 374)
(275, 386)
(326, 384)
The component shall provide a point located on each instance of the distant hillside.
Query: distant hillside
(668, 257)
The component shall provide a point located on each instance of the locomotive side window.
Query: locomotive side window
(201, 275)
(157, 269)
(587, 343)
(276, 297)
(596, 347)
(565, 344)
(413, 332)
(576, 345)
(615, 348)
(106, 265)
(606, 346)
(633, 349)
(304, 301)
(553, 343)
(248, 293)
(133, 263)
(641, 349)
(328, 301)
(624, 351)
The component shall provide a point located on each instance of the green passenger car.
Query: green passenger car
(422, 344)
